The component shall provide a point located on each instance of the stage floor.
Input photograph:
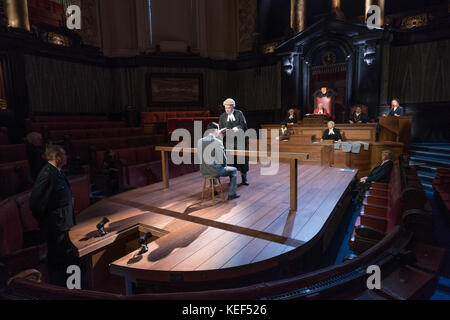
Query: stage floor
(199, 236)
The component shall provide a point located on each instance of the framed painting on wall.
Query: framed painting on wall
(175, 89)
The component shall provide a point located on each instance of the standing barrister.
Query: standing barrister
(51, 203)
(234, 119)
(396, 110)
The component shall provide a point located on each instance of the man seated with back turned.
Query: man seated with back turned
(214, 161)
(382, 173)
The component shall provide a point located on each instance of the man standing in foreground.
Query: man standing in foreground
(51, 203)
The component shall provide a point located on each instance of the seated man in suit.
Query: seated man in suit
(382, 173)
(321, 110)
(396, 110)
(284, 133)
(291, 117)
(214, 161)
(331, 133)
(358, 116)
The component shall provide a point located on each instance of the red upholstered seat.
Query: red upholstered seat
(29, 223)
(12, 153)
(26, 289)
(14, 178)
(11, 235)
(81, 192)
(143, 154)
(129, 155)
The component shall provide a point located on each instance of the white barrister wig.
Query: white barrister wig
(229, 101)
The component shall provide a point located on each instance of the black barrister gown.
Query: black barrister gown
(240, 123)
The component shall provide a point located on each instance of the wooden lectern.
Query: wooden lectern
(395, 129)
(315, 119)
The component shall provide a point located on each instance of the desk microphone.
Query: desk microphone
(101, 227)
(143, 242)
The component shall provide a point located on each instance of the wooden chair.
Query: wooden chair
(211, 187)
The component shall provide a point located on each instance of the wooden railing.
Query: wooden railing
(293, 157)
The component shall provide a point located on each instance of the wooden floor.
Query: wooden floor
(197, 236)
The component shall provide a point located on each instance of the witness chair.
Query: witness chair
(211, 187)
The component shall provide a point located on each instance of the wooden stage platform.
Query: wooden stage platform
(200, 243)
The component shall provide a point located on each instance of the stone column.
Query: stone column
(298, 15)
(17, 14)
(380, 3)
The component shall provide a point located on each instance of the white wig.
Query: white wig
(229, 101)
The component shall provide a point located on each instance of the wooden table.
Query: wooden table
(292, 156)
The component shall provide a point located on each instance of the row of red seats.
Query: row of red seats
(69, 118)
(141, 166)
(15, 177)
(441, 186)
(402, 201)
(94, 133)
(163, 116)
(17, 224)
(188, 123)
(335, 282)
(13, 153)
(45, 127)
(85, 148)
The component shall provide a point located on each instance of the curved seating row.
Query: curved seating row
(94, 133)
(13, 153)
(15, 177)
(162, 116)
(20, 240)
(402, 201)
(441, 186)
(69, 118)
(45, 127)
(85, 148)
(345, 281)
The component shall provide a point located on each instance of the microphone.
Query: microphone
(101, 227)
(143, 242)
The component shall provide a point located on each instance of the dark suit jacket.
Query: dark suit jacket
(362, 117)
(382, 173)
(399, 112)
(51, 201)
(293, 120)
(284, 136)
(217, 158)
(336, 136)
(239, 121)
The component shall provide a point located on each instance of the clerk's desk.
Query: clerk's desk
(366, 132)
(306, 137)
